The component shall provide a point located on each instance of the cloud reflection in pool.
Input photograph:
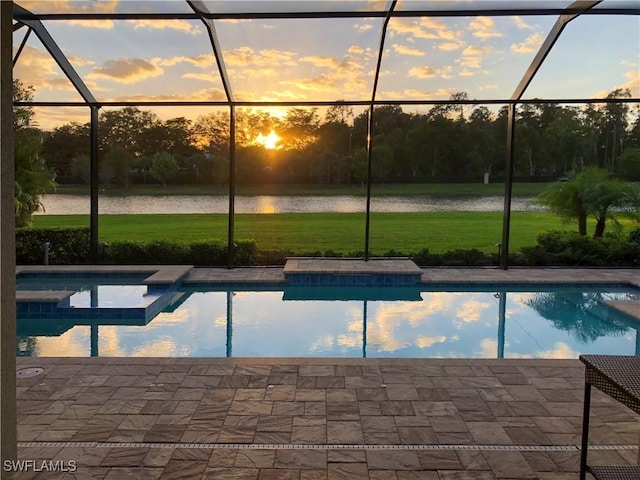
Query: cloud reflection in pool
(441, 324)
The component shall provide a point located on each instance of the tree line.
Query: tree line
(450, 142)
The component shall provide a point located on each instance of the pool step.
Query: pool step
(351, 272)
(38, 306)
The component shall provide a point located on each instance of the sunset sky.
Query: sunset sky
(323, 59)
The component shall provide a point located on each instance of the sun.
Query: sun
(269, 141)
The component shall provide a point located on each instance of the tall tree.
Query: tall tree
(126, 127)
(32, 177)
(482, 146)
(116, 164)
(163, 167)
(65, 143)
(339, 113)
(615, 126)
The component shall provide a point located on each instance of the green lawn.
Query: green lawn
(433, 189)
(341, 232)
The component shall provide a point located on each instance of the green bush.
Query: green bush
(273, 257)
(66, 245)
(159, 252)
(71, 246)
(125, 252)
(207, 253)
(570, 248)
(472, 257)
(245, 252)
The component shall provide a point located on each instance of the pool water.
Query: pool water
(489, 322)
(94, 291)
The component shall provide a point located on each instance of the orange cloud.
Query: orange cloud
(423, 72)
(37, 6)
(484, 27)
(247, 56)
(483, 88)
(521, 23)
(471, 60)
(633, 84)
(80, 62)
(37, 68)
(100, 24)
(430, 72)
(199, 61)
(428, 28)
(205, 77)
(192, 28)
(449, 46)
(475, 50)
(404, 50)
(319, 84)
(209, 94)
(415, 93)
(530, 44)
(126, 70)
(364, 27)
(279, 95)
(328, 62)
(253, 73)
(106, 6)
(49, 118)
(341, 75)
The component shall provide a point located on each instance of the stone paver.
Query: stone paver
(464, 433)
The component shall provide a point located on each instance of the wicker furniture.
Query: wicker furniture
(619, 377)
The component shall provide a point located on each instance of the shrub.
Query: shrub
(570, 248)
(67, 245)
(273, 257)
(207, 253)
(472, 257)
(245, 253)
(125, 252)
(159, 252)
(71, 246)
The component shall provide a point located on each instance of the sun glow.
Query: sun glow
(269, 141)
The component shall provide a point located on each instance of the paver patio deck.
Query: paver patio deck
(304, 419)
(174, 418)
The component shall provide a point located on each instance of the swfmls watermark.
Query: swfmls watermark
(39, 466)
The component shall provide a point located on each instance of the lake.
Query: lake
(62, 204)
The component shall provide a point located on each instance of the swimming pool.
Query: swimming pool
(492, 321)
(125, 291)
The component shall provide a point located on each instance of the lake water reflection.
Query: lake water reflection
(61, 204)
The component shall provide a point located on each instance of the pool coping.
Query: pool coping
(47, 296)
(631, 308)
(162, 280)
(191, 276)
(158, 274)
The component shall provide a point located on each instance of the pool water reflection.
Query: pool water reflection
(504, 322)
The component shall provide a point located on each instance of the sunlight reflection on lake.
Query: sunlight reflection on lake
(62, 204)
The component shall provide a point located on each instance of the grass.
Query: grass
(432, 189)
(340, 232)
